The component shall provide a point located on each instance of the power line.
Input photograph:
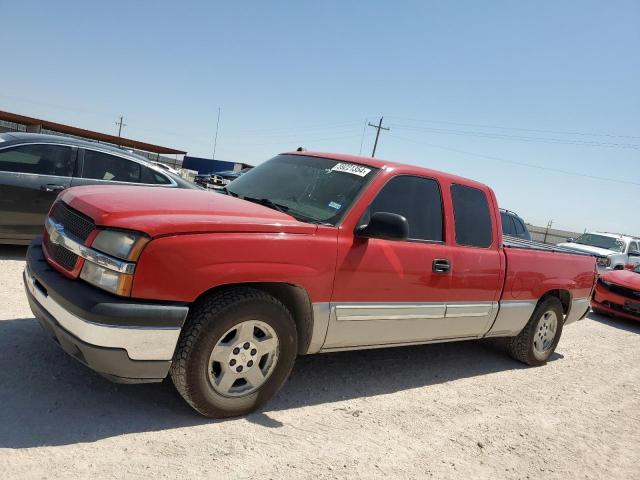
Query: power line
(561, 132)
(378, 128)
(522, 164)
(502, 136)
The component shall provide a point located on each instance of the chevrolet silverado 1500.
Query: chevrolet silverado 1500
(306, 253)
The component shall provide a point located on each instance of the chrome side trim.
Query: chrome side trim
(365, 325)
(58, 236)
(512, 317)
(470, 310)
(357, 312)
(321, 314)
(141, 343)
(579, 306)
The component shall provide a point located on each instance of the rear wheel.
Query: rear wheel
(235, 352)
(539, 338)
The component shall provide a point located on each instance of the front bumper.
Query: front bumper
(124, 339)
(611, 303)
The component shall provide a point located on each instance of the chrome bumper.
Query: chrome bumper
(140, 343)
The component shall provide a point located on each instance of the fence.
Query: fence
(551, 235)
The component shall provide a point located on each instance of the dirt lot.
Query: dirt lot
(457, 410)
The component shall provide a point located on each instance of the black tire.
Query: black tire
(207, 322)
(521, 346)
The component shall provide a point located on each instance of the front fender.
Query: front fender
(182, 267)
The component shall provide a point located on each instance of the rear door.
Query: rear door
(31, 176)
(97, 167)
(477, 263)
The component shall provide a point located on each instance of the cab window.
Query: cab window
(472, 216)
(417, 199)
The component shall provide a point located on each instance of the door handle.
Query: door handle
(441, 265)
(50, 187)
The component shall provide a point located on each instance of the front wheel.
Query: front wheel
(539, 338)
(235, 353)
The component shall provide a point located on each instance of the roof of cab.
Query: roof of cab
(386, 164)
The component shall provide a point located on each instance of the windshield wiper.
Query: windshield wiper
(267, 203)
(226, 191)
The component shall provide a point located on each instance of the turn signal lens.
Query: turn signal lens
(109, 280)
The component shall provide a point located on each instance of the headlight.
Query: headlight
(603, 261)
(120, 244)
(107, 279)
(123, 245)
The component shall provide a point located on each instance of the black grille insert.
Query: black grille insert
(61, 255)
(73, 222)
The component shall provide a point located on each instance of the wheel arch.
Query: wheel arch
(561, 294)
(294, 297)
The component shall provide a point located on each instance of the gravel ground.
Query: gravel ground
(456, 410)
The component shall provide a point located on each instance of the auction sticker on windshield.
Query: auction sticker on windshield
(351, 168)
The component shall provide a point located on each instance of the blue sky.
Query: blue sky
(480, 89)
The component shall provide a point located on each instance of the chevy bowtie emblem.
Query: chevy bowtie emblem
(56, 232)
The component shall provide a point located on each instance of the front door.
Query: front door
(31, 176)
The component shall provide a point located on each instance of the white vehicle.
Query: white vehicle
(166, 167)
(613, 251)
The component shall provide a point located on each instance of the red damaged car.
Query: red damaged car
(618, 293)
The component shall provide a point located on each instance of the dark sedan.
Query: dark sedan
(34, 168)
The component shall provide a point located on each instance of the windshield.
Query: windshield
(601, 241)
(311, 189)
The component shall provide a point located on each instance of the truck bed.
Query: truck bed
(515, 242)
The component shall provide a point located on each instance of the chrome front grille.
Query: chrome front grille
(73, 222)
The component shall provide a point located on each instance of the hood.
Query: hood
(603, 252)
(624, 278)
(159, 211)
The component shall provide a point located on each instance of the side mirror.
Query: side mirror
(570, 240)
(634, 253)
(385, 225)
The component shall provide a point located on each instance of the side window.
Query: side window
(472, 217)
(520, 231)
(508, 228)
(38, 159)
(102, 166)
(418, 200)
(149, 175)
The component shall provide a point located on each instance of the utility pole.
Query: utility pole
(215, 141)
(120, 125)
(378, 128)
(547, 231)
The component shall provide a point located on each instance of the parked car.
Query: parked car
(219, 180)
(307, 253)
(164, 166)
(617, 293)
(614, 251)
(35, 168)
(513, 225)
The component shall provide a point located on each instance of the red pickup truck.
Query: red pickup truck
(306, 253)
